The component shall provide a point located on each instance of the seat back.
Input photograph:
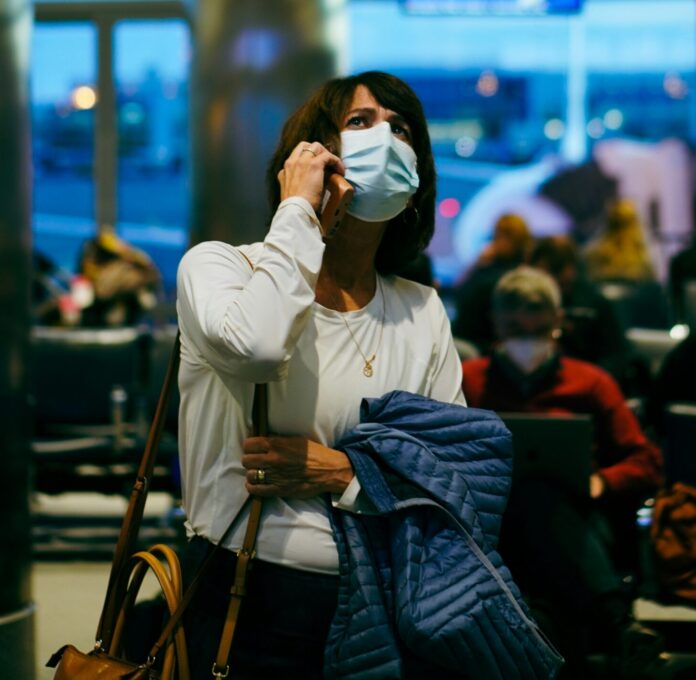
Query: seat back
(651, 345)
(637, 305)
(690, 304)
(80, 376)
(679, 446)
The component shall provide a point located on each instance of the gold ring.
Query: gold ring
(260, 477)
(310, 149)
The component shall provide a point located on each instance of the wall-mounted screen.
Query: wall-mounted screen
(488, 7)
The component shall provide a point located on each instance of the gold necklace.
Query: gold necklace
(367, 370)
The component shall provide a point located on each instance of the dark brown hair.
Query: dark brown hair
(320, 118)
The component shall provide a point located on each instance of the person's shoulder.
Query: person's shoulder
(218, 252)
(587, 374)
(410, 293)
(581, 367)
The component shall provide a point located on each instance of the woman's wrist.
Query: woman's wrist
(341, 474)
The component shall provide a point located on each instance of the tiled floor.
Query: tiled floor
(69, 591)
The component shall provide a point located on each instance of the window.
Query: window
(63, 94)
(109, 97)
(151, 80)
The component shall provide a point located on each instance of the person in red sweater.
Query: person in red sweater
(561, 549)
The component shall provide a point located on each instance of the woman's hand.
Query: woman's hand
(305, 170)
(294, 467)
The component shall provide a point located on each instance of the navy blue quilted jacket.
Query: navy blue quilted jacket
(423, 592)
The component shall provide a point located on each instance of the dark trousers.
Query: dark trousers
(560, 552)
(283, 622)
(556, 547)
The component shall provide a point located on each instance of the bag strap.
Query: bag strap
(244, 556)
(248, 550)
(136, 505)
(117, 586)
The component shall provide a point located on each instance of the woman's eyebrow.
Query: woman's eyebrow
(365, 110)
(398, 118)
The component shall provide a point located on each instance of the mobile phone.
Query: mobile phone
(337, 197)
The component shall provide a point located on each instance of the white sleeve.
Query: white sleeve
(352, 500)
(246, 324)
(446, 370)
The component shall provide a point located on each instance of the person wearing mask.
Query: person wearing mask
(560, 549)
(508, 248)
(326, 323)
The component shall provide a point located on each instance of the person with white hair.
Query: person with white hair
(563, 550)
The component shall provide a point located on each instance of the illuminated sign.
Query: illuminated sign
(488, 7)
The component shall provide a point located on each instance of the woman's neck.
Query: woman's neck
(347, 278)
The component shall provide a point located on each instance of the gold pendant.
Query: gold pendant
(367, 370)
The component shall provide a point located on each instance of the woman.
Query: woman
(326, 324)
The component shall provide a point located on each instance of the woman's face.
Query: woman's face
(365, 111)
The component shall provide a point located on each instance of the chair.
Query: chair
(651, 346)
(690, 304)
(86, 387)
(679, 446)
(162, 343)
(637, 305)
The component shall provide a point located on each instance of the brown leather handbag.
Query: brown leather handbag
(106, 661)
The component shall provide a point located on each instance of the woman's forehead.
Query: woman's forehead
(364, 99)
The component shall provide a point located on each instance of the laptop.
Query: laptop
(553, 447)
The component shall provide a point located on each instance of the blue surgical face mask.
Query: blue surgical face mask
(382, 170)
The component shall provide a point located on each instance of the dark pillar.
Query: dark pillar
(16, 608)
(255, 62)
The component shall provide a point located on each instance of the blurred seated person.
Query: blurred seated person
(590, 329)
(511, 242)
(675, 382)
(124, 278)
(682, 270)
(58, 297)
(620, 252)
(564, 550)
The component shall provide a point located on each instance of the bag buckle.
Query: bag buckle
(220, 674)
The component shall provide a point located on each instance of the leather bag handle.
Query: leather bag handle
(130, 527)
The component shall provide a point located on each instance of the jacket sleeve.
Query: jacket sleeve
(246, 324)
(627, 460)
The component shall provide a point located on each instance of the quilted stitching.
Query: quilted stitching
(425, 565)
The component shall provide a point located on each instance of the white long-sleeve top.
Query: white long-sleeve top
(240, 327)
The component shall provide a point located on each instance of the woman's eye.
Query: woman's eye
(400, 131)
(355, 121)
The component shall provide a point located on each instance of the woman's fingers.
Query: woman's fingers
(293, 467)
(305, 170)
